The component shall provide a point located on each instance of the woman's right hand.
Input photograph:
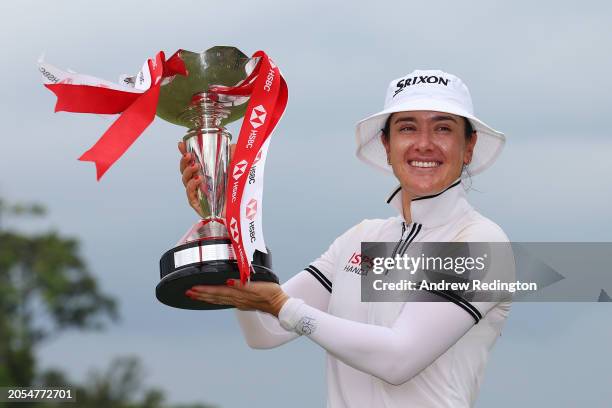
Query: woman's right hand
(192, 180)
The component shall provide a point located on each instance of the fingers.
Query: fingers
(185, 156)
(214, 290)
(189, 172)
(191, 188)
(190, 177)
(215, 294)
(182, 147)
(235, 283)
(205, 297)
(243, 297)
(184, 163)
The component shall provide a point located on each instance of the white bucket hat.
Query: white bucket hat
(429, 90)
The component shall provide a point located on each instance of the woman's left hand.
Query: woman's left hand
(265, 296)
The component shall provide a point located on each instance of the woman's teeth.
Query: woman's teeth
(415, 163)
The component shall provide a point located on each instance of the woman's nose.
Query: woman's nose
(423, 140)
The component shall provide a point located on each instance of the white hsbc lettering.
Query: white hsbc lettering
(252, 175)
(251, 139)
(234, 191)
(269, 79)
(252, 231)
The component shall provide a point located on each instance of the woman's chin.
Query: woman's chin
(424, 187)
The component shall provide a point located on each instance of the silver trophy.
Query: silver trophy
(204, 255)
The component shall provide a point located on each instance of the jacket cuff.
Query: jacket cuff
(290, 314)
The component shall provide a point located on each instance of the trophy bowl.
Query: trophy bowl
(204, 255)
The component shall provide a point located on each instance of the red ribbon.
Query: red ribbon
(268, 89)
(137, 109)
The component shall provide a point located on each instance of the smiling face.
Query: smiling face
(427, 150)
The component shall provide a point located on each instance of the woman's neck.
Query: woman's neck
(406, 201)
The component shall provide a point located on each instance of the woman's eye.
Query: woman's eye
(407, 129)
(444, 128)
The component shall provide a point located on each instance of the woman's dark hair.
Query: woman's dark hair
(469, 129)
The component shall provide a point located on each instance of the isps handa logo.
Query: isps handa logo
(354, 263)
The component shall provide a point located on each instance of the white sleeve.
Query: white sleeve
(262, 330)
(501, 258)
(313, 285)
(422, 332)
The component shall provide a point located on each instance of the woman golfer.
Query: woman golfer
(386, 354)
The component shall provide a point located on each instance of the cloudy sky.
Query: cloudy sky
(539, 71)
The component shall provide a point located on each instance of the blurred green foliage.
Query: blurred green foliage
(45, 288)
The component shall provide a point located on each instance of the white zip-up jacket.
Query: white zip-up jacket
(390, 354)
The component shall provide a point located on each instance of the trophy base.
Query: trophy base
(204, 262)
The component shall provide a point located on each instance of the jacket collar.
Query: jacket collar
(436, 209)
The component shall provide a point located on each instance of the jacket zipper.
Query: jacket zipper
(408, 235)
(401, 240)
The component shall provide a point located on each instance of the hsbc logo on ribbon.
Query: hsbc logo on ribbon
(251, 213)
(258, 116)
(258, 157)
(239, 169)
(234, 229)
(251, 209)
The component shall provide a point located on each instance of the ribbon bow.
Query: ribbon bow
(137, 108)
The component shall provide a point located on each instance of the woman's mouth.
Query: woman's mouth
(424, 164)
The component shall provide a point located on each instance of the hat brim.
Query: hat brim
(370, 149)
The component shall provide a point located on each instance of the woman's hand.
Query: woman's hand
(268, 297)
(191, 177)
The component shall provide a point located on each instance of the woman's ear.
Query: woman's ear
(385, 138)
(469, 149)
(385, 141)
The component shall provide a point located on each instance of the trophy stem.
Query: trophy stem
(208, 141)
